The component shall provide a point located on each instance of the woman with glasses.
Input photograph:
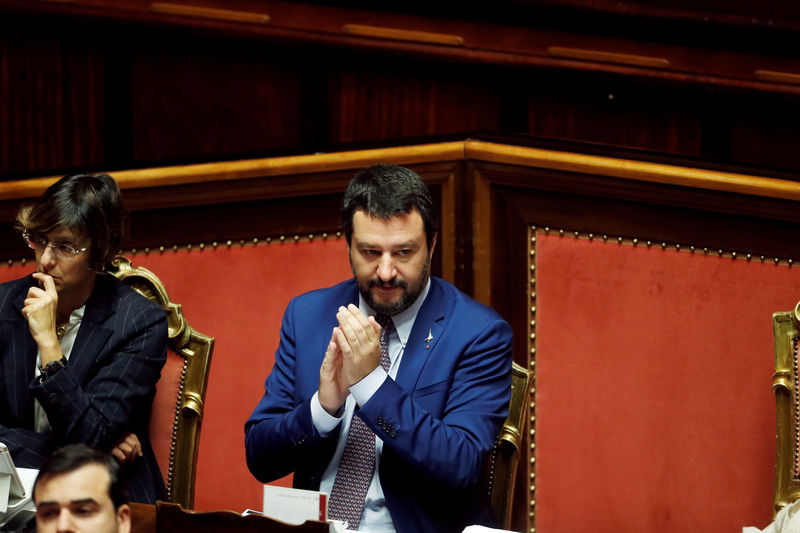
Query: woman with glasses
(80, 352)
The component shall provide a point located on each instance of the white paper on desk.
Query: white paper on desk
(20, 510)
(295, 506)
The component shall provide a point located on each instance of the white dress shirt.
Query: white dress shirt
(376, 517)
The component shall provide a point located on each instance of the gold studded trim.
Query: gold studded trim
(531, 464)
(678, 247)
(796, 414)
(255, 241)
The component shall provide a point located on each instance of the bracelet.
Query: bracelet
(51, 369)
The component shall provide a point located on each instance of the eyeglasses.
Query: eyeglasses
(61, 250)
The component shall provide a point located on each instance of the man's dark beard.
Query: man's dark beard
(408, 297)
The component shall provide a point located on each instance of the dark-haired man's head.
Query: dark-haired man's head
(78, 490)
(391, 225)
(384, 191)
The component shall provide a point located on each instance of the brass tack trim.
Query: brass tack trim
(796, 402)
(676, 246)
(531, 470)
(254, 241)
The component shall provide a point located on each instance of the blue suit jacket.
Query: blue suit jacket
(105, 390)
(438, 419)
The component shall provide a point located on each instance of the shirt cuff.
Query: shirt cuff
(323, 422)
(364, 389)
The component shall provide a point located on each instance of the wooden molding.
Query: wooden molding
(777, 77)
(227, 15)
(634, 170)
(447, 228)
(253, 168)
(276, 174)
(607, 57)
(399, 34)
(482, 236)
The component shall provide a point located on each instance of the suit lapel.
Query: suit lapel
(94, 331)
(429, 323)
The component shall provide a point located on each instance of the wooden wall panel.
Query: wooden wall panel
(290, 197)
(376, 100)
(195, 98)
(52, 98)
(613, 111)
(754, 140)
(82, 88)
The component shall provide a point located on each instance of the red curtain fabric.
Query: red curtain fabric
(654, 408)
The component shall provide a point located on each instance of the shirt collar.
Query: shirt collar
(403, 321)
(77, 315)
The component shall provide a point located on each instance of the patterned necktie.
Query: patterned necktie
(355, 471)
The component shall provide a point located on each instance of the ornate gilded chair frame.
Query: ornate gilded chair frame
(502, 473)
(786, 333)
(195, 349)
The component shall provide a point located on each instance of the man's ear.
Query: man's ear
(124, 518)
(433, 245)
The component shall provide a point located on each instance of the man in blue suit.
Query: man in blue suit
(435, 407)
(80, 352)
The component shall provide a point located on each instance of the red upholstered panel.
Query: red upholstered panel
(237, 295)
(654, 409)
(163, 413)
(16, 270)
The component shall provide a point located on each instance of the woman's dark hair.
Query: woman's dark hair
(75, 456)
(87, 204)
(385, 191)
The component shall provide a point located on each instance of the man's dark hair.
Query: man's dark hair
(384, 191)
(75, 456)
(87, 204)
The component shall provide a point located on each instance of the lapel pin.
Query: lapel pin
(428, 339)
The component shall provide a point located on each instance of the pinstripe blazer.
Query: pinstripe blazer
(105, 390)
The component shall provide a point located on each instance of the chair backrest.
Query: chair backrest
(785, 385)
(178, 406)
(503, 461)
